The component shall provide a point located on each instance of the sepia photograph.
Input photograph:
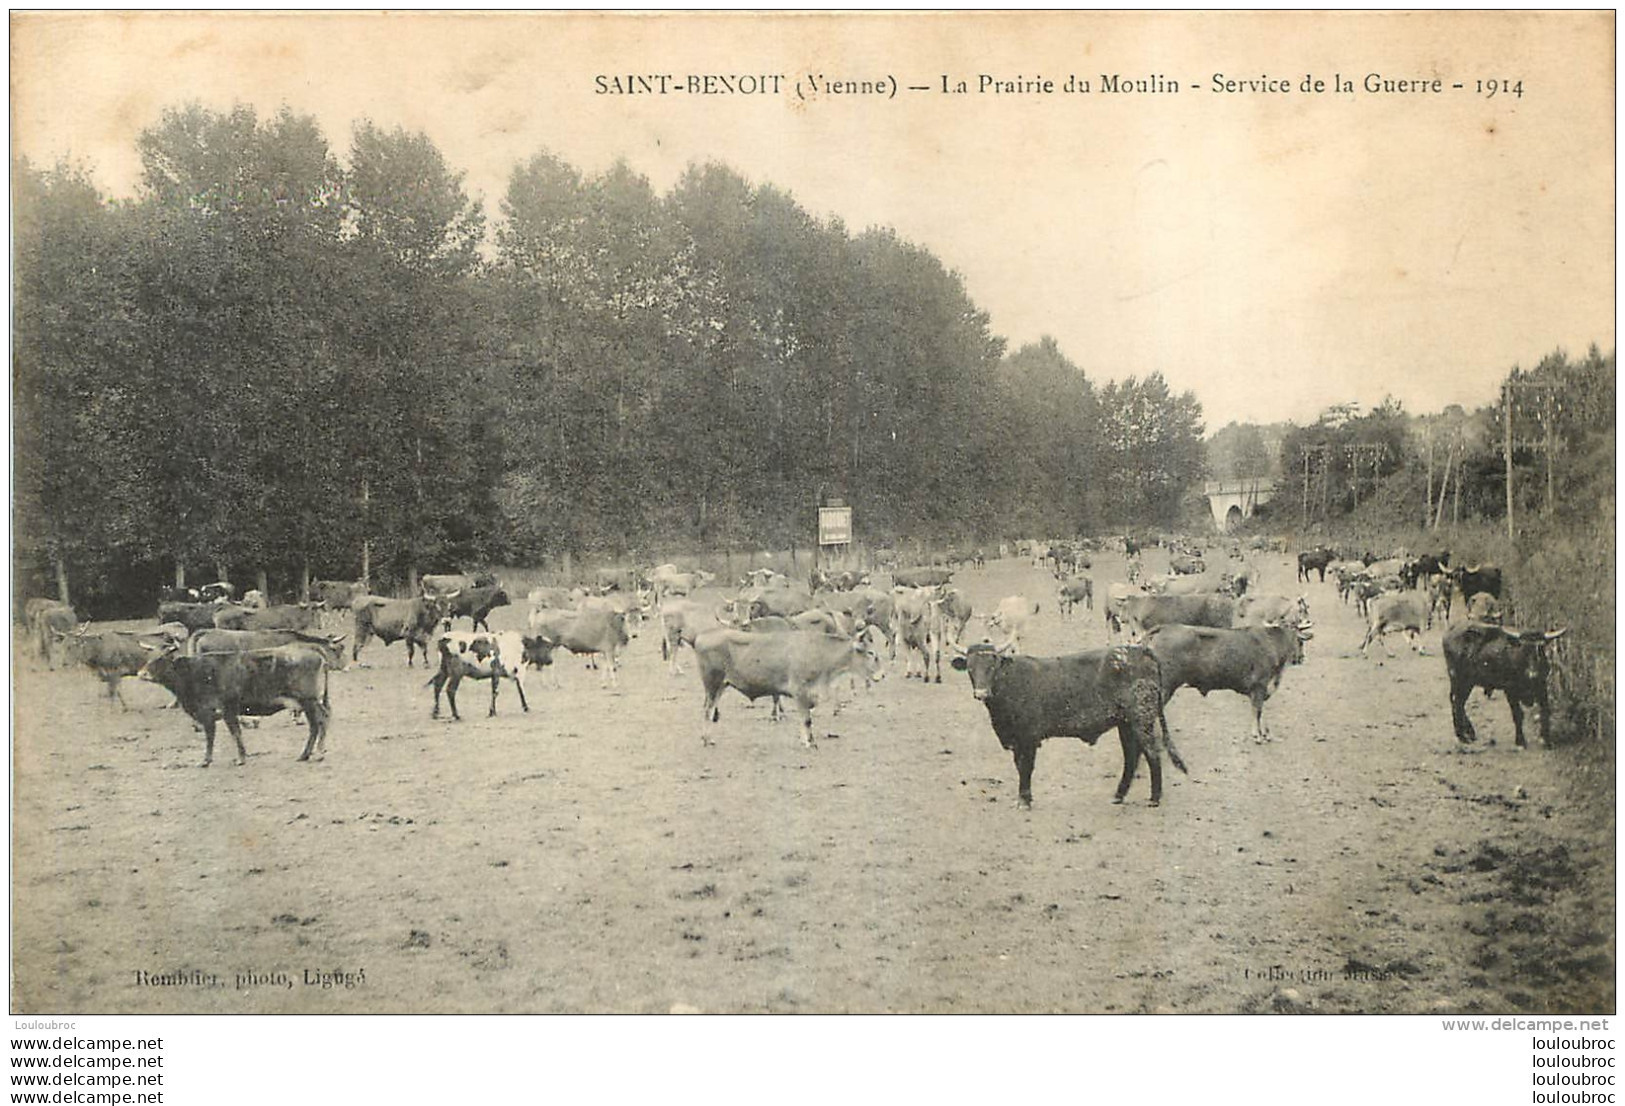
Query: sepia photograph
(813, 513)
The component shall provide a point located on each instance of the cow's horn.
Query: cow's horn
(1553, 635)
(958, 648)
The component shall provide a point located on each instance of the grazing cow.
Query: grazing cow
(1484, 607)
(221, 591)
(336, 595)
(413, 621)
(442, 586)
(494, 657)
(1480, 578)
(233, 684)
(679, 583)
(590, 631)
(288, 616)
(1116, 605)
(1490, 657)
(956, 611)
(115, 655)
(870, 606)
(681, 620)
(476, 604)
(917, 625)
(1441, 590)
(1181, 565)
(561, 599)
(1011, 616)
(785, 601)
(921, 577)
(1313, 560)
(797, 664)
(179, 594)
(1248, 661)
(1261, 610)
(254, 600)
(1080, 589)
(1146, 612)
(194, 616)
(1396, 611)
(211, 642)
(619, 579)
(1426, 567)
(1082, 695)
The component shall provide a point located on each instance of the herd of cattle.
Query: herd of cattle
(225, 658)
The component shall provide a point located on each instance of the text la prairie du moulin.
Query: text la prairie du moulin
(815, 86)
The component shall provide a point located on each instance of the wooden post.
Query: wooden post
(1306, 489)
(304, 578)
(262, 583)
(180, 573)
(62, 580)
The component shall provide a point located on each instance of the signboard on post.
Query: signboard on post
(834, 525)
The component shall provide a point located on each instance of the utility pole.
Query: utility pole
(1507, 403)
(1427, 511)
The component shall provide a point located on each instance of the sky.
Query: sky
(1273, 251)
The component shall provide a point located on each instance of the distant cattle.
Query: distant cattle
(1392, 611)
(1182, 565)
(413, 621)
(194, 616)
(917, 627)
(1481, 578)
(1147, 612)
(336, 595)
(1011, 616)
(45, 619)
(1313, 560)
(591, 632)
(476, 604)
(439, 586)
(285, 617)
(1083, 695)
(1248, 661)
(1492, 657)
(114, 655)
(1080, 589)
(1260, 610)
(921, 577)
(797, 665)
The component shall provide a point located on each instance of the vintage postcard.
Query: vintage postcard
(813, 513)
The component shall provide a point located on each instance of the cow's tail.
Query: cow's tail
(1162, 721)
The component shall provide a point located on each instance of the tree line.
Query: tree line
(273, 362)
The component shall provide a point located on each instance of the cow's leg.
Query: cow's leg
(451, 692)
(805, 703)
(1131, 760)
(1026, 755)
(1458, 712)
(236, 727)
(1545, 715)
(1260, 732)
(519, 685)
(496, 680)
(208, 741)
(437, 683)
(1517, 718)
(314, 714)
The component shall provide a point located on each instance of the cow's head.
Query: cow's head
(866, 643)
(982, 662)
(1530, 657)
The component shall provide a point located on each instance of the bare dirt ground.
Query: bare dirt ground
(592, 855)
